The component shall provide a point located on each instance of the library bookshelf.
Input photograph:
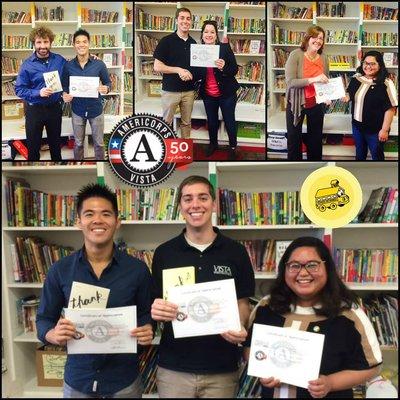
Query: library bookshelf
(336, 122)
(245, 111)
(19, 348)
(122, 66)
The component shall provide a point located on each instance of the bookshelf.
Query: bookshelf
(245, 111)
(338, 120)
(122, 53)
(146, 235)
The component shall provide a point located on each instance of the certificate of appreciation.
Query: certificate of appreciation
(332, 90)
(84, 86)
(102, 331)
(287, 354)
(206, 308)
(203, 55)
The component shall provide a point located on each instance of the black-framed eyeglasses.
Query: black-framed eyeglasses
(371, 64)
(310, 266)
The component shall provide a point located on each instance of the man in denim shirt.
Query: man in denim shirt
(43, 107)
(84, 108)
(97, 263)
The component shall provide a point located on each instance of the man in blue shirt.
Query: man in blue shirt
(98, 263)
(43, 107)
(85, 108)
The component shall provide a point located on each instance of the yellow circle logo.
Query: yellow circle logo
(331, 197)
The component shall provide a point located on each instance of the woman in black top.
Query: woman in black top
(218, 88)
(373, 99)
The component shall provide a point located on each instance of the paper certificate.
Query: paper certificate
(52, 81)
(203, 55)
(332, 90)
(177, 277)
(287, 354)
(84, 86)
(88, 296)
(102, 331)
(206, 308)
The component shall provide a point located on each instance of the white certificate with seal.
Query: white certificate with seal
(208, 308)
(204, 55)
(84, 86)
(102, 331)
(287, 354)
(332, 90)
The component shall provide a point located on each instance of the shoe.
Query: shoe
(210, 150)
(232, 153)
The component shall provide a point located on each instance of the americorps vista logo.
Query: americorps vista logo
(144, 150)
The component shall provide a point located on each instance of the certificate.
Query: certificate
(102, 331)
(84, 86)
(206, 308)
(52, 81)
(332, 90)
(203, 55)
(287, 354)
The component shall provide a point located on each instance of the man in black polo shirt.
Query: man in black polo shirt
(203, 366)
(172, 58)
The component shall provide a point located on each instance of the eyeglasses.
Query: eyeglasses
(367, 64)
(310, 266)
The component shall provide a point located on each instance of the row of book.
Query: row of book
(128, 82)
(148, 205)
(26, 312)
(252, 71)
(331, 10)
(381, 207)
(63, 39)
(8, 86)
(280, 10)
(15, 17)
(111, 105)
(342, 36)
(379, 39)
(262, 254)
(105, 40)
(129, 14)
(128, 62)
(367, 265)
(380, 13)
(115, 83)
(15, 42)
(246, 25)
(266, 208)
(247, 46)
(145, 20)
(10, 65)
(250, 94)
(147, 68)
(198, 20)
(148, 362)
(339, 59)
(108, 58)
(100, 16)
(280, 82)
(279, 57)
(53, 14)
(281, 35)
(146, 44)
(32, 257)
(338, 107)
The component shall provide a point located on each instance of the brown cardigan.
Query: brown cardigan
(295, 82)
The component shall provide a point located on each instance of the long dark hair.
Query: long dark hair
(334, 297)
(214, 24)
(382, 73)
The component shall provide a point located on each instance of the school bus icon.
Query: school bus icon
(331, 197)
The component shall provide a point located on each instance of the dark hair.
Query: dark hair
(335, 296)
(312, 32)
(382, 73)
(96, 190)
(191, 180)
(182, 9)
(214, 24)
(41, 32)
(81, 32)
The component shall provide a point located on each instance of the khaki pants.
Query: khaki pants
(175, 384)
(170, 100)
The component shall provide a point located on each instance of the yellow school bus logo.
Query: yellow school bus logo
(331, 197)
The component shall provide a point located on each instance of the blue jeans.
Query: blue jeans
(228, 105)
(365, 141)
(133, 391)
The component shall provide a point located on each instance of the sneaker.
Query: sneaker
(210, 150)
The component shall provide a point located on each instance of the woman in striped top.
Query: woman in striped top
(373, 99)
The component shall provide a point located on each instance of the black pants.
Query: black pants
(37, 116)
(312, 139)
(228, 105)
